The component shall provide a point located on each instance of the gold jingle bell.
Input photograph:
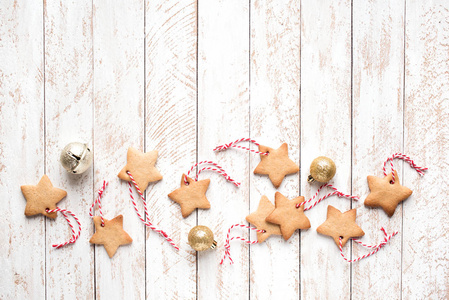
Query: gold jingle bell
(76, 158)
(201, 238)
(322, 169)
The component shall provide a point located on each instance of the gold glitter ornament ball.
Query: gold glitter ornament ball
(201, 238)
(322, 169)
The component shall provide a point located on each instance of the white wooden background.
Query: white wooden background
(353, 80)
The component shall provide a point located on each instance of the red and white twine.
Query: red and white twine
(98, 201)
(398, 155)
(217, 169)
(227, 246)
(376, 248)
(233, 144)
(75, 235)
(335, 192)
(147, 222)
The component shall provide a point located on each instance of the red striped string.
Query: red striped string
(375, 247)
(233, 144)
(227, 246)
(412, 164)
(218, 169)
(98, 201)
(147, 222)
(75, 235)
(335, 192)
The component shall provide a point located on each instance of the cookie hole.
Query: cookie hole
(267, 153)
(263, 231)
(187, 183)
(102, 224)
(391, 182)
(47, 209)
(340, 237)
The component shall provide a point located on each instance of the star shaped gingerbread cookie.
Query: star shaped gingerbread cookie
(288, 216)
(276, 164)
(258, 219)
(340, 224)
(385, 194)
(41, 197)
(141, 166)
(111, 236)
(191, 195)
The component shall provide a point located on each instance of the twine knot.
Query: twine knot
(234, 145)
(223, 147)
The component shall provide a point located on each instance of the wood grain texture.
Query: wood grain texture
(21, 149)
(275, 43)
(170, 60)
(68, 118)
(118, 30)
(223, 116)
(426, 112)
(183, 76)
(378, 77)
(325, 130)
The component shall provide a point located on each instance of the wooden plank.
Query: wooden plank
(118, 30)
(170, 128)
(21, 149)
(325, 130)
(275, 61)
(426, 111)
(68, 111)
(378, 68)
(223, 116)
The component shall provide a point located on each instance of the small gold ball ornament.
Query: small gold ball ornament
(201, 238)
(76, 158)
(322, 169)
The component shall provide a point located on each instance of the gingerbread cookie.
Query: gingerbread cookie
(258, 219)
(191, 195)
(141, 166)
(276, 164)
(41, 197)
(288, 216)
(111, 235)
(385, 194)
(340, 224)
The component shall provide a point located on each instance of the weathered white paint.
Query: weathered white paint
(68, 118)
(223, 115)
(274, 110)
(426, 112)
(378, 72)
(22, 242)
(170, 128)
(325, 130)
(129, 74)
(118, 124)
